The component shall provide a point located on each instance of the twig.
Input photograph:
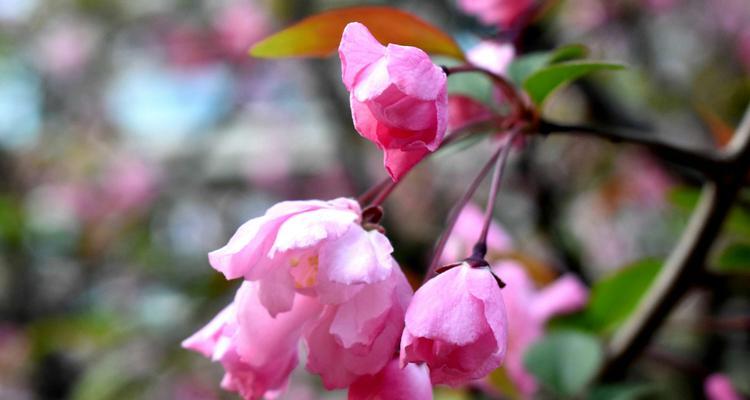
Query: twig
(709, 163)
(456, 211)
(685, 264)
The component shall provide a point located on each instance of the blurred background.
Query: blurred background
(136, 136)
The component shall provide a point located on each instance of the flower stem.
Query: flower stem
(456, 210)
(378, 193)
(480, 248)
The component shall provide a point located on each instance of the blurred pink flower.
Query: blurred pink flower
(238, 25)
(397, 95)
(505, 13)
(492, 56)
(129, 184)
(466, 233)
(394, 383)
(718, 387)
(65, 47)
(456, 324)
(528, 310)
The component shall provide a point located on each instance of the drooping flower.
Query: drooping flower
(258, 352)
(505, 13)
(456, 324)
(312, 247)
(358, 337)
(397, 95)
(312, 267)
(394, 383)
(528, 310)
(718, 387)
(345, 342)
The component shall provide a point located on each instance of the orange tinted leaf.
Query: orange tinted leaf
(319, 35)
(720, 130)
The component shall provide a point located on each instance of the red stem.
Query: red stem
(497, 177)
(456, 210)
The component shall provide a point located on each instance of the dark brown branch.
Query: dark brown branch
(708, 163)
(685, 265)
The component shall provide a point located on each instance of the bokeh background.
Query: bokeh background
(136, 136)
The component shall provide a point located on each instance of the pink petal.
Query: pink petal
(358, 50)
(719, 387)
(359, 320)
(206, 339)
(246, 248)
(356, 257)
(307, 229)
(394, 383)
(412, 71)
(399, 162)
(444, 308)
(565, 295)
(260, 337)
(339, 366)
(456, 324)
(276, 291)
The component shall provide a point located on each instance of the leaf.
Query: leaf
(543, 82)
(526, 65)
(319, 35)
(737, 223)
(565, 361)
(735, 258)
(613, 298)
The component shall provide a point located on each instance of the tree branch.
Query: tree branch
(708, 163)
(685, 265)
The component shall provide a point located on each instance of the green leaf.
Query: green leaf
(543, 82)
(735, 258)
(526, 65)
(319, 35)
(613, 298)
(626, 391)
(738, 221)
(523, 66)
(565, 361)
(568, 53)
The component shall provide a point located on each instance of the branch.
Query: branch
(685, 265)
(709, 164)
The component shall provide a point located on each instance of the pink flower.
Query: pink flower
(719, 387)
(492, 56)
(466, 233)
(313, 274)
(456, 324)
(256, 363)
(344, 341)
(394, 383)
(310, 247)
(359, 337)
(505, 13)
(528, 310)
(397, 95)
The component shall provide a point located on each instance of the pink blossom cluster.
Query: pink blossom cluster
(313, 274)
(318, 274)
